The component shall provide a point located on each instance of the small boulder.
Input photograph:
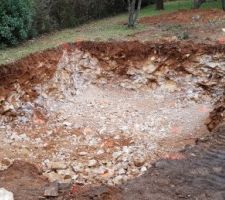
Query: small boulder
(150, 68)
(83, 153)
(5, 164)
(57, 165)
(122, 171)
(139, 161)
(52, 190)
(92, 163)
(53, 176)
(143, 169)
(5, 194)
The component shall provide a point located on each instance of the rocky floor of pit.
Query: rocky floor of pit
(199, 176)
(107, 135)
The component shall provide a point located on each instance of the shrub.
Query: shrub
(42, 21)
(21, 19)
(15, 21)
(69, 13)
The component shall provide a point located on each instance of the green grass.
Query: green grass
(108, 28)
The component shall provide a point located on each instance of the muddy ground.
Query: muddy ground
(117, 120)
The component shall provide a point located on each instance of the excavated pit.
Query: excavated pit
(94, 113)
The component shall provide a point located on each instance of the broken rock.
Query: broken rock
(57, 165)
(52, 190)
(150, 68)
(139, 161)
(53, 176)
(92, 163)
(5, 164)
(143, 169)
(7, 107)
(6, 195)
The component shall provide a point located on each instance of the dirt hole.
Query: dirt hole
(104, 112)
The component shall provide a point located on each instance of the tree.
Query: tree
(223, 4)
(197, 4)
(134, 7)
(15, 21)
(159, 5)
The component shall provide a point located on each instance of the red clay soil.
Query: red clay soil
(39, 67)
(184, 17)
(134, 53)
(24, 180)
(31, 70)
(125, 52)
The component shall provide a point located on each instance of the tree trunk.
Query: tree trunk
(159, 5)
(197, 4)
(223, 4)
(131, 9)
(133, 12)
(138, 10)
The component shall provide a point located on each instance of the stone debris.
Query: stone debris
(105, 118)
(5, 164)
(57, 165)
(5, 194)
(143, 169)
(53, 176)
(139, 160)
(92, 163)
(52, 190)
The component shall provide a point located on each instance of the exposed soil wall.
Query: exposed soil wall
(115, 58)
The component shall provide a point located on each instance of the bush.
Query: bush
(58, 14)
(147, 2)
(42, 20)
(15, 21)
(21, 19)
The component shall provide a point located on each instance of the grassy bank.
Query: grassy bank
(109, 28)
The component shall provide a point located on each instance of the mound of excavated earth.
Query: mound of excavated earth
(185, 17)
(103, 113)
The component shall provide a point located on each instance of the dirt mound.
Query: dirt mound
(185, 17)
(24, 180)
